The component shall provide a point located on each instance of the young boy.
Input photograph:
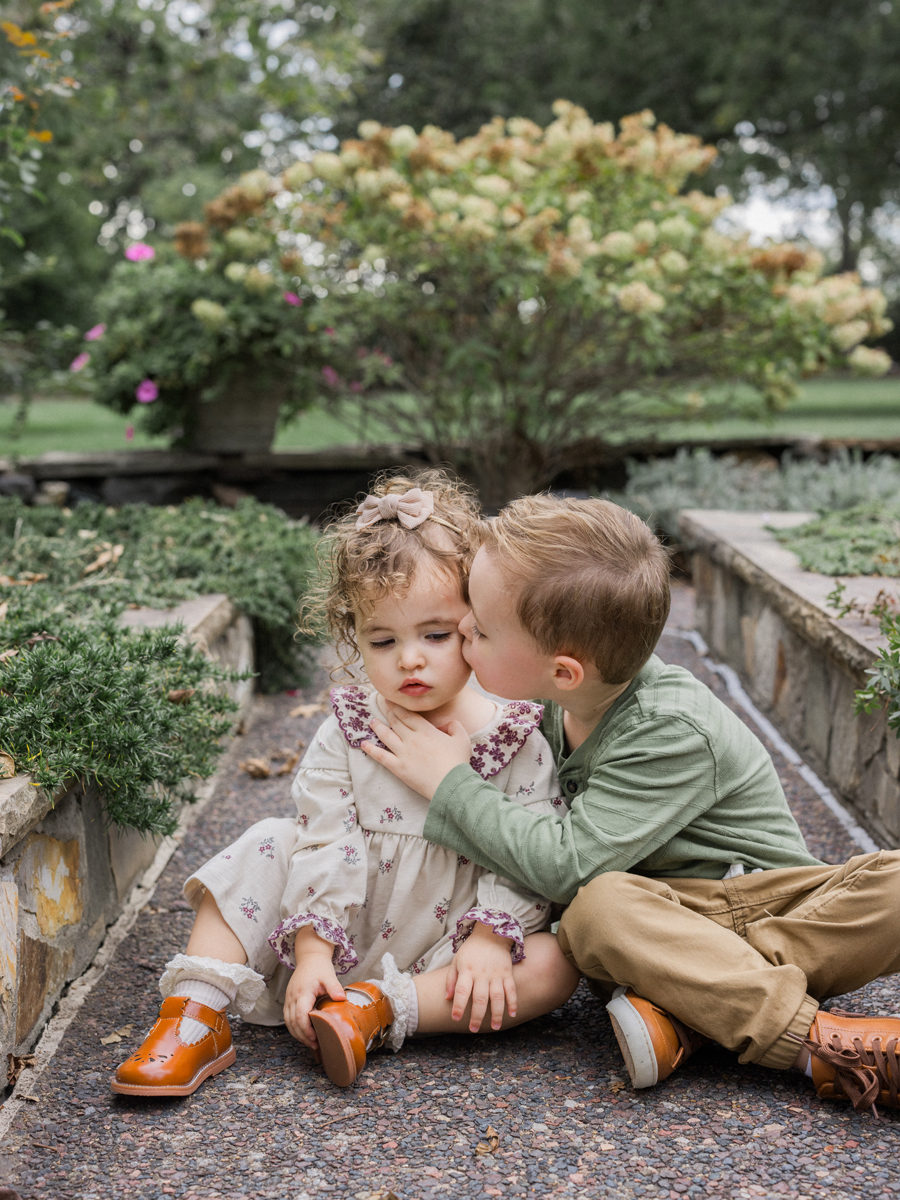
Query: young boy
(694, 906)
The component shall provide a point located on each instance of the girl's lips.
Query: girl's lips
(414, 688)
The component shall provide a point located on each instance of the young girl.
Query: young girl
(420, 936)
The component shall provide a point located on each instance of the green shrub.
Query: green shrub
(883, 689)
(863, 540)
(253, 553)
(81, 697)
(658, 490)
(95, 705)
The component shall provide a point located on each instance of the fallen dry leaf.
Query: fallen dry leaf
(617, 1085)
(256, 768)
(289, 764)
(489, 1146)
(308, 710)
(4, 609)
(8, 654)
(180, 695)
(111, 554)
(41, 637)
(108, 1041)
(16, 1064)
(7, 765)
(28, 577)
(125, 1031)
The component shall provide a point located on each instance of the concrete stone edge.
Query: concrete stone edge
(800, 612)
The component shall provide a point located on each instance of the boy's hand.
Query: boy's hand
(417, 752)
(482, 969)
(313, 977)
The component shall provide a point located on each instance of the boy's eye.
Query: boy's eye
(382, 644)
(437, 637)
(476, 632)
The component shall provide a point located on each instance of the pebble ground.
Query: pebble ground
(555, 1092)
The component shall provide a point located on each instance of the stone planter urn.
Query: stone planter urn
(241, 418)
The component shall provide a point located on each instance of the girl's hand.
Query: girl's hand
(313, 977)
(417, 752)
(482, 969)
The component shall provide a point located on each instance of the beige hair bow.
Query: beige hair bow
(410, 509)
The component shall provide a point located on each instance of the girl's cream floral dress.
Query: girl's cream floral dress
(354, 865)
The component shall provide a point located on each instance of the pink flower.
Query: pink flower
(80, 361)
(331, 376)
(139, 252)
(146, 391)
(129, 433)
(329, 331)
(356, 386)
(96, 331)
(292, 298)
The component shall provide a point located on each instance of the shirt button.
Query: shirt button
(572, 786)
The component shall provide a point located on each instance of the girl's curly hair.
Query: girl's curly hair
(359, 567)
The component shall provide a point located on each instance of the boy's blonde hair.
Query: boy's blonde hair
(359, 567)
(592, 579)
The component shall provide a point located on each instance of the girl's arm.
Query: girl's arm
(327, 877)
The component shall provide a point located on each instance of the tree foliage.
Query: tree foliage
(33, 69)
(804, 92)
(176, 99)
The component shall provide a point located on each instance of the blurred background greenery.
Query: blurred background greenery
(143, 110)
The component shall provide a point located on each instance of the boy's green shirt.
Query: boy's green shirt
(669, 783)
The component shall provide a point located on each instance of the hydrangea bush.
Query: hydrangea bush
(513, 301)
(514, 298)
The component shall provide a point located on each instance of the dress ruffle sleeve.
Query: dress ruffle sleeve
(507, 910)
(327, 876)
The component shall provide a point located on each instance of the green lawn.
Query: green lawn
(832, 408)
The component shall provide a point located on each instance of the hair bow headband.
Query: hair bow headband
(410, 509)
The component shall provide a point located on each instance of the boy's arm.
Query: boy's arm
(654, 778)
(634, 802)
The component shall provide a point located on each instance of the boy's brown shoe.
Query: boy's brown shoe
(347, 1031)
(652, 1041)
(164, 1065)
(855, 1058)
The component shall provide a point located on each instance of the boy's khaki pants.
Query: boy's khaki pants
(743, 961)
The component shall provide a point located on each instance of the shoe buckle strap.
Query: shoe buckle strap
(181, 1006)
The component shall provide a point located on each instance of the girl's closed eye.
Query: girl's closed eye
(438, 637)
(476, 632)
(382, 644)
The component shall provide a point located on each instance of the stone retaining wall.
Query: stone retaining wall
(64, 872)
(770, 621)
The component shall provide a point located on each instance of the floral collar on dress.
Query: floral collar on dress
(496, 745)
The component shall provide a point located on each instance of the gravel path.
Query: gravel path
(555, 1091)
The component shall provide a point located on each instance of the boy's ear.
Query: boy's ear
(568, 673)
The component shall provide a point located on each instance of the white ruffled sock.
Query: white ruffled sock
(213, 982)
(400, 990)
(189, 1030)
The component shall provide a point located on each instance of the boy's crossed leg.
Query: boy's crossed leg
(745, 961)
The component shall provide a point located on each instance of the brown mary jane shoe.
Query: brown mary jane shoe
(346, 1031)
(166, 1066)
